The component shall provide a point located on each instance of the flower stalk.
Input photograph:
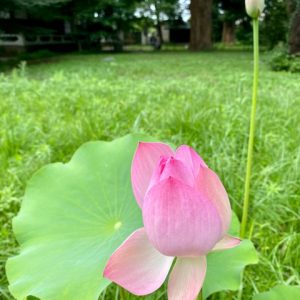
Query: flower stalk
(252, 127)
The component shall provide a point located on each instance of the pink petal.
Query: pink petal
(145, 160)
(158, 170)
(187, 278)
(226, 243)
(179, 221)
(208, 183)
(171, 167)
(211, 187)
(190, 158)
(137, 266)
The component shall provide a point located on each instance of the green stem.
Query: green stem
(252, 127)
(200, 296)
(122, 294)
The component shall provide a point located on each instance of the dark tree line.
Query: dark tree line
(281, 18)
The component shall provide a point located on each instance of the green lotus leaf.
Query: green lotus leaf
(72, 218)
(224, 268)
(280, 292)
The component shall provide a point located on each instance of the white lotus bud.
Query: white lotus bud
(254, 8)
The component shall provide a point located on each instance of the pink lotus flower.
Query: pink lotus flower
(186, 214)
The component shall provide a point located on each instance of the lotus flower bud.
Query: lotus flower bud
(254, 8)
(186, 214)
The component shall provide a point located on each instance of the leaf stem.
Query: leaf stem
(200, 295)
(252, 127)
(122, 294)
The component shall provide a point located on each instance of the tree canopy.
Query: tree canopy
(98, 18)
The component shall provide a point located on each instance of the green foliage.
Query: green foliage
(48, 110)
(40, 2)
(72, 218)
(75, 215)
(36, 55)
(295, 64)
(233, 10)
(89, 19)
(281, 61)
(157, 10)
(224, 268)
(244, 32)
(274, 28)
(280, 292)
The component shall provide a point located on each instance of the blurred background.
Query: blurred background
(45, 26)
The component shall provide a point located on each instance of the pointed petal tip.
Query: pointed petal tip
(142, 144)
(145, 160)
(227, 242)
(191, 158)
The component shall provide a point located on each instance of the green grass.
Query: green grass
(48, 110)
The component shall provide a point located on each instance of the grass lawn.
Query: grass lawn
(48, 110)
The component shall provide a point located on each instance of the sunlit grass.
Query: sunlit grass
(49, 110)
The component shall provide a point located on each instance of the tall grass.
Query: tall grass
(49, 110)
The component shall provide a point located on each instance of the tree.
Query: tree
(158, 11)
(201, 25)
(39, 2)
(90, 20)
(30, 11)
(294, 34)
(274, 28)
(7, 6)
(231, 11)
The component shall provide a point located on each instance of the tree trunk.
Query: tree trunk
(291, 6)
(201, 25)
(159, 32)
(158, 24)
(294, 36)
(228, 33)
